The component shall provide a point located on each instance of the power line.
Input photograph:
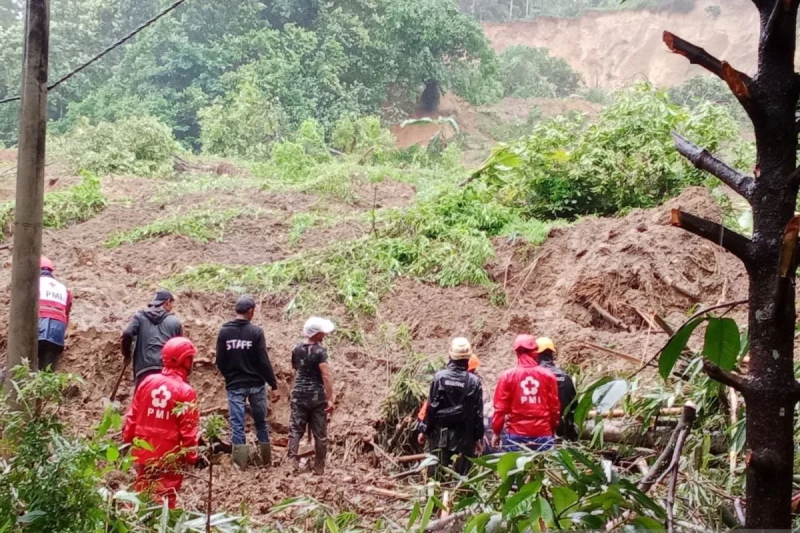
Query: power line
(104, 52)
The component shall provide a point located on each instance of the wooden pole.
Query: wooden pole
(23, 320)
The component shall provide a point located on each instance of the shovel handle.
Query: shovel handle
(119, 380)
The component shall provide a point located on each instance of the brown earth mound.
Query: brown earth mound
(621, 265)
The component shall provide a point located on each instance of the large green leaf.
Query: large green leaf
(585, 403)
(722, 342)
(606, 396)
(478, 523)
(563, 498)
(521, 502)
(670, 354)
(508, 462)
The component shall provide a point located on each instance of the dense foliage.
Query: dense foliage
(626, 158)
(528, 72)
(211, 68)
(501, 10)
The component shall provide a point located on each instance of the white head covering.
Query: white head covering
(460, 349)
(316, 325)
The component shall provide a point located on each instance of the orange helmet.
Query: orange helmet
(178, 352)
(46, 264)
(473, 364)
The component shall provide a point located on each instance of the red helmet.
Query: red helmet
(46, 264)
(525, 343)
(178, 352)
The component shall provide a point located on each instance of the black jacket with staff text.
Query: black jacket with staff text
(242, 356)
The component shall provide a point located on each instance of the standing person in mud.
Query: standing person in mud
(55, 305)
(454, 420)
(150, 328)
(312, 395)
(243, 360)
(566, 389)
(526, 402)
(164, 414)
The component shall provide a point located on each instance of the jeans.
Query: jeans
(257, 396)
(515, 443)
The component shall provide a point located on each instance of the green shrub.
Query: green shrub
(140, 146)
(202, 225)
(707, 89)
(360, 135)
(75, 204)
(63, 208)
(528, 72)
(625, 159)
(242, 124)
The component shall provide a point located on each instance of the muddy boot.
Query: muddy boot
(265, 457)
(319, 468)
(240, 455)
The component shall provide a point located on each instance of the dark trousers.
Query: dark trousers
(257, 396)
(449, 459)
(49, 354)
(305, 413)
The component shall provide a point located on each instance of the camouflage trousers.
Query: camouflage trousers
(309, 412)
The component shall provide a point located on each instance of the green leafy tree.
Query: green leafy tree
(532, 72)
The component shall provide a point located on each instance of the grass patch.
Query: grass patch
(202, 225)
(201, 183)
(63, 208)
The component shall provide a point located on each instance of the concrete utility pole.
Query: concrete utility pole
(23, 320)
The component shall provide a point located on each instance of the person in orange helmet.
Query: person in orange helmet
(472, 367)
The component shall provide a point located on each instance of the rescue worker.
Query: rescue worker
(566, 389)
(151, 328)
(55, 305)
(472, 368)
(526, 402)
(454, 420)
(165, 415)
(243, 360)
(312, 395)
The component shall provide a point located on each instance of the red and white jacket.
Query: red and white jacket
(55, 300)
(164, 414)
(526, 400)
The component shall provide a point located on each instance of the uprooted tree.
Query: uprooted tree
(770, 257)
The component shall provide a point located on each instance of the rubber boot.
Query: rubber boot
(319, 468)
(240, 455)
(265, 458)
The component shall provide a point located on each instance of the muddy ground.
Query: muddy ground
(629, 267)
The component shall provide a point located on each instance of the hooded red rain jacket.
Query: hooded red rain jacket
(526, 400)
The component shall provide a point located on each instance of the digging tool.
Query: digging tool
(112, 400)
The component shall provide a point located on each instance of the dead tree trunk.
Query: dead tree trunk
(770, 390)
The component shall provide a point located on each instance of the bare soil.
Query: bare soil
(620, 264)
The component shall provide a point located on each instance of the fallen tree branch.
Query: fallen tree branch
(411, 458)
(377, 491)
(382, 453)
(609, 351)
(731, 241)
(611, 319)
(663, 325)
(702, 159)
(675, 465)
(734, 381)
(446, 521)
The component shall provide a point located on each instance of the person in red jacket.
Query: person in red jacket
(526, 402)
(55, 304)
(164, 414)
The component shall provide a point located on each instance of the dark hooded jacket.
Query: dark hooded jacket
(452, 387)
(566, 394)
(151, 328)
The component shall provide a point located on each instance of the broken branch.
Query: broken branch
(702, 159)
(731, 241)
(385, 493)
(612, 352)
(738, 82)
(611, 319)
(736, 382)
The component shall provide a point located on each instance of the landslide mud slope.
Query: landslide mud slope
(626, 266)
(613, 49)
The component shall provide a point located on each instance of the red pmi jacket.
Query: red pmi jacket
(55, 300)
(528, 396)
(164, 414)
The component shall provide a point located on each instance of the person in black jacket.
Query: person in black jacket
(243, 360)
(566, 389)
(454, 421)
(151, 328)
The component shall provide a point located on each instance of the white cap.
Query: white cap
(316, 325)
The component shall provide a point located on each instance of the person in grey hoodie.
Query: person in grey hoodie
(150, 329)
